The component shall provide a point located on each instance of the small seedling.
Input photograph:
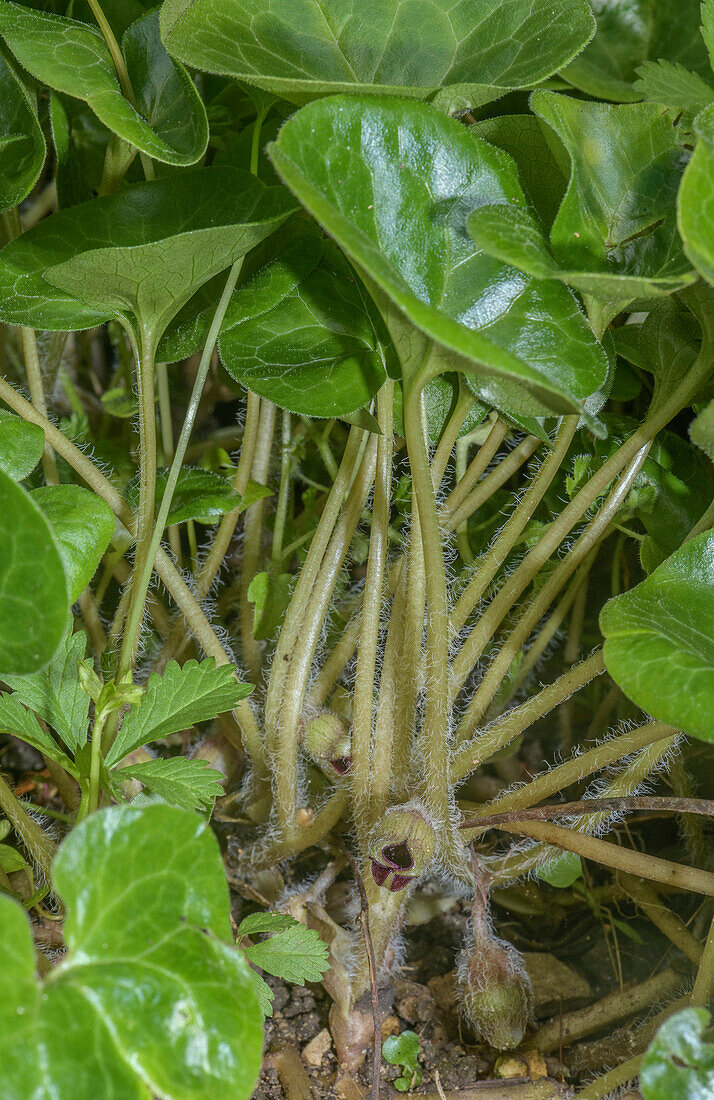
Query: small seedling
(403, 1051)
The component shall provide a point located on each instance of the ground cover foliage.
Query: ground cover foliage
(356, 539)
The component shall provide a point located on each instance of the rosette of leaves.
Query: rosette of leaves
(367, 171)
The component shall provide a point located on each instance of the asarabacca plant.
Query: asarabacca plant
(443, 275)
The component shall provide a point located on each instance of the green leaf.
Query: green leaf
(189, 784)
(673, 85)
(183, 695)
(83, 524)
(563, 871)
(21, 445)
(439, 398)
(300, 49)
(269, 273)
(34, 596)
(615, 236)
(679, 1062)
(17, 721)
(313, 349)
(264, 922)
(200, 494)
(269, 593)
(170, 124)
(367, 170)
(701, 431)
(136, 256)
(296, 954)
(630, 32)
(696, 214)
(403, 1050)
(659, 639)
(56, 694)
(22, 145)
(11, 860)
(151, 998)
(531, 143)
(80, 141)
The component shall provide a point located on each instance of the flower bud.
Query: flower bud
(496, 995)
(326, 740)
(403, 846)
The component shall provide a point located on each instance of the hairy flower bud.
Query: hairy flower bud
(496, 996)
(403, 846)
(326, 740)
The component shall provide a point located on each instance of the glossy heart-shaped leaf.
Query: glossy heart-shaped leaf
(630, 32)
(82, 524)
(313, 350)
(150, 972)
(659, 639)
(615, 236)
(306, 48)
(138, 255)
(34, 595)
(22, 145)
(169, 121)
(394, 182)
(21, 445)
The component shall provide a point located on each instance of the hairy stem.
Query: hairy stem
(364, 689)
(40, 847)
(252, 539)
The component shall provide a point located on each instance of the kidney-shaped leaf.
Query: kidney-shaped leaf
(305, 48)
(615, 236)
(82, 524)
(34, 597)
(314, 350)
(659, 639)
(72, 57)
(395, 182)
(151, 999)
(138, 255)
(22, 145)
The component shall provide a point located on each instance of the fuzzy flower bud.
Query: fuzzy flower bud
(496, 995)
(326, 740)
(403, 846)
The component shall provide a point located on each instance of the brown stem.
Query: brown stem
(374, 991)
(657, 804)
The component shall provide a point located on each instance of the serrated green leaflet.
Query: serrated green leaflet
(306, 48)
(55, 693)
(659, 640)
(34, 594)
(21, 446)
(615, 236)
(188, 784)
(673, 85)
(150, 972)
(138, 255)
(82, 524)
(679, 1062)
(295, 953)
(184, 694)
(72, 57)
(22, 145)
(17, 721)
(630, 32)
(394, 183)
